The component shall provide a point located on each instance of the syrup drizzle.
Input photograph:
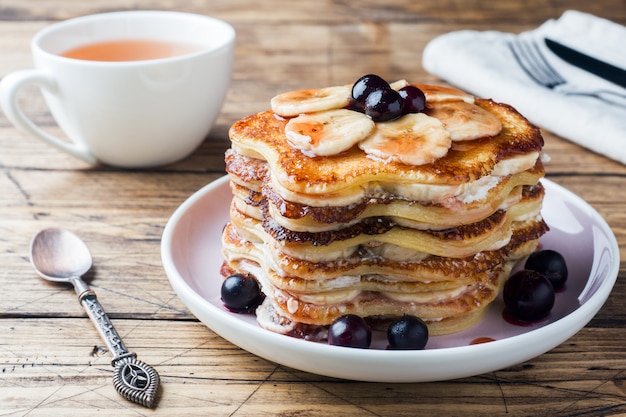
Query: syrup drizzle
(480, 340)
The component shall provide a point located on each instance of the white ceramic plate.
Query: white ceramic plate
(191, 254)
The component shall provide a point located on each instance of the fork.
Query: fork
(530, 58)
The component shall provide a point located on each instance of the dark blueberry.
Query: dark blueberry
(407, 332)
(551, 264)
(384, 105)
(528, 295)
(241, 293)
(350, 330)
(363, 87)
(414, 99)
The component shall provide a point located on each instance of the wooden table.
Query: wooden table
(52, 362)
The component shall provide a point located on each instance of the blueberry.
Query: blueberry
(407, 332)
(363, 87)
(350, 330)
(414, 99)
(241, 293)
(551, 264)
(384, 105)
(528, 295)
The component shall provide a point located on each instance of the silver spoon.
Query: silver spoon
(60, 256)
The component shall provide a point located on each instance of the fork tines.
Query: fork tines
(531, 60)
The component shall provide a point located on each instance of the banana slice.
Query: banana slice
(465, 121)
(414, 139)
(329, 132)
(298, 102)
(399, 84)
(440, 94)
(329, 297)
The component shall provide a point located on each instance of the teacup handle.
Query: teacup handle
(9, 87)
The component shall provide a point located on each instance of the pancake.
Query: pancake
(349, 175)
(448, 212)
(335, 213)
(490, 233)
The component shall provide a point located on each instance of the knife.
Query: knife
(595, 66)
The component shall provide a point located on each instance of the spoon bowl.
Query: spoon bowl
(59, 255)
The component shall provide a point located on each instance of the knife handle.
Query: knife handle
(590, 64)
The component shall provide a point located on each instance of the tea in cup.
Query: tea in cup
(129, 89)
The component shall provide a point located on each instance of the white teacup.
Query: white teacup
(132, 113)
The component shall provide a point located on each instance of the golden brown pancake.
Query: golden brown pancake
(262, 136)
(353, 233)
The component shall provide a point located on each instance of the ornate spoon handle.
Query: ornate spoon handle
(133, 379)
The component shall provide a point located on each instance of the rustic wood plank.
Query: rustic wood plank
(51, 359)
(120, 216)
(328, 12)
(58, 363)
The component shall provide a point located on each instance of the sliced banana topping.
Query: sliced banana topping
(440, 94)
(465, 121)
(328, 132)
(399, 84)
(415, 139)
(329, 297)
(324, 122)
(298, 102)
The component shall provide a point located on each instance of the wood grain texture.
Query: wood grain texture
(52, 362)
(55, 368)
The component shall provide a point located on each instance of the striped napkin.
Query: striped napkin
(483, 64)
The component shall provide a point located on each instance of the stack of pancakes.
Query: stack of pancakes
(352, 232)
